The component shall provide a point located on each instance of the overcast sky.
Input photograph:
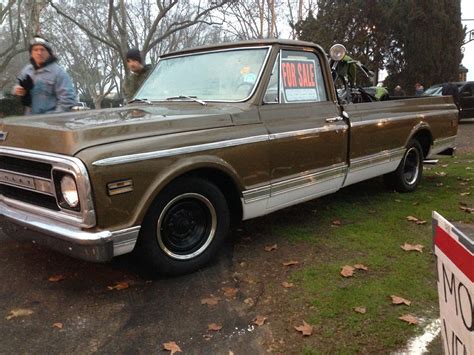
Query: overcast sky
(467, 9)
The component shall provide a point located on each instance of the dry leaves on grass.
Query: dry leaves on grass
(290, 263)
(214, 327)
(20, 312)
(287, 284)
(440, 173)
(409, 318)
(464, 194)
(230, 292)
(58, 325)
(361, 267)
(347, 271)
(361, 310)
(121, 285)
(56, 278)
(416, 220)
(259, 320)
(336, 222)
(305, 329)
(400, 300)
(411, 247)
(172, 347)
(210, 301)
(466, 209)
(271, 247)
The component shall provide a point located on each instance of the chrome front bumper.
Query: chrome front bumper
(70, 240)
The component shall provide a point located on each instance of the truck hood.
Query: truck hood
(68, 133)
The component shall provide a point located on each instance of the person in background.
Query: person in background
(44, 86)
(140, 72)
(451, 89)
(398, 91)
(419, 89)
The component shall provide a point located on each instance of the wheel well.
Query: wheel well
(425, 140)
(226, 184)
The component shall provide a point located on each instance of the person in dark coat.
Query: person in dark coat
(451, 89)
(140, 72)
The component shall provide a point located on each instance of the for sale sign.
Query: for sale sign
(455, 263)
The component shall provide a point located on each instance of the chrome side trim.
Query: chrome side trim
(304, 132)
(131, 158)
(265, 199)
(373, 165)
(374, 159)
(441, 144)
(86, 217)
(333, 172)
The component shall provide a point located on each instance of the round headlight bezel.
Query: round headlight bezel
(67, 193)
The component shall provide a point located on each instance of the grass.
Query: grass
(373, 226)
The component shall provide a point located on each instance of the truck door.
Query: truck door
(466, 101)
(308, 137)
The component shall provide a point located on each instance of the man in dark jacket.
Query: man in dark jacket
(139, 72)
(451, 89)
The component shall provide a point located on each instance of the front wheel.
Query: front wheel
(184, 227)
(408, 174)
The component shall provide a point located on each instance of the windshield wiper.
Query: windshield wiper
(145, 101)
(192, 98)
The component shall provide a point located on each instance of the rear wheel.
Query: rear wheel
(184, 227)
(408, 174)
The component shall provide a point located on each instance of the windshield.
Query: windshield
(434, 90)
(215, 76)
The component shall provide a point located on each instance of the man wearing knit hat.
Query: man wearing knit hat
(139, 72)
(43, 85)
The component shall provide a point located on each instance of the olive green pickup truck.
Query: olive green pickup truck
(216, 134)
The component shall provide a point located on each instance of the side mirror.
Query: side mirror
(337, 52)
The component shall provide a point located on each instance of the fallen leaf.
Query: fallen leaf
(439, 184)
(172, 347)
(464, 194)
(411, 247)
(291, 263)
(420, 222)
(271, 247)
(440, 173)
(249, 301)
(210, 301)
(398, 200)
(410, 319)
(122, 285)
(444, 165)
(214, 327)
(305, 329)
(20, 312)
(361, 310)
(259, 320)
(400, 300)
(361, 267)
(230, 292)
(56, 278)
(415, 203)
(467, 209)
(287, 284)
(58, 325)
(412, 219)
(372, 211)
(336, 222)
(347, 271)
(207, 337)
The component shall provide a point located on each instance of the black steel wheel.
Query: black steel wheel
(408, 174)
(184, 227)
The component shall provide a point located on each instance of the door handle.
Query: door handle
(334, 119)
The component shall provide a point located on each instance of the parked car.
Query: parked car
(80, 106)
(215, 135)
(466, 97)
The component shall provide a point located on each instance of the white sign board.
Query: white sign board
(455, 264)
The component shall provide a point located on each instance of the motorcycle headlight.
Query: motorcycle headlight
(69, 191)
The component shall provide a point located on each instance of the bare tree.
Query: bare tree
(143, 24)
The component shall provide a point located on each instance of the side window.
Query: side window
(301, 77)
(272, 95)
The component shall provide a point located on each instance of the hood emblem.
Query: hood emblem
(3, 135)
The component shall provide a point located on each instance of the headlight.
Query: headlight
(69, 191)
